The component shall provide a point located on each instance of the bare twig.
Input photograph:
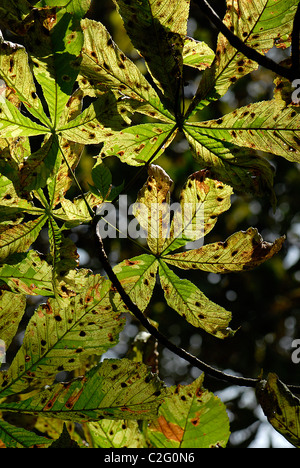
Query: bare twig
(238, 44)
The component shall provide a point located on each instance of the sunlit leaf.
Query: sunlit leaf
(138, 278)
(58, 41)
(165, 22)
(105, 67)
(116, 434)
(242, 251)
(27, 273)
(281, 407)
(152, 208)
(16, 72)
(197, 54)
(63, 333)
(12, 309)
(17, 437)
(191, 417)
(96, 123)
(240, 167)
(259, 24)
(202, 200)
(19, 238)
(189, 302)
(265, 126)
(115, 389)
(139, 144)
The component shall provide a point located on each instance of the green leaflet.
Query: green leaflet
(138, 278)
(17, 437)
(192, 417)
(20, 237)
(202, 200)
(16, 72)
(56, 56)
(115, 389)
(12, 309)
(281, 408)
(116, 434)
(240, 167)
(241, 251)
(27, 273)
(152, 208)
(139, 144)
(165, 22)
(268, 126)
(189, 302)
(96, 123)
(104, 67)
(197, 54)
(62, 334)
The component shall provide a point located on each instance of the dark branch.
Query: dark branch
(238, 44)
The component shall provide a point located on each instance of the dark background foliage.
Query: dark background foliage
(264, 302)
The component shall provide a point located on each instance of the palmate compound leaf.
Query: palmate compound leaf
(202, 200)
(191, 417)
(115, 389)
(165, 22)
(61, 335)
(281, 407)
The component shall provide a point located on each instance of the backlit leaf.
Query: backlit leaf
(259, 24)
(139, 144)
(189, 302)
(17, 437)
(116, 434)
(27, 273)
(267, 126)
(197, 54)
(115, 389)
(138, 278)
(281, 407)
(63, 333)
(240, 167)
(152, 208)
(96, 123)
(202, 200)
(58, 41)
(105, 67)
(165, 22)
(12, 309)
(19, 238)
(242, 251)
(191, 417)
